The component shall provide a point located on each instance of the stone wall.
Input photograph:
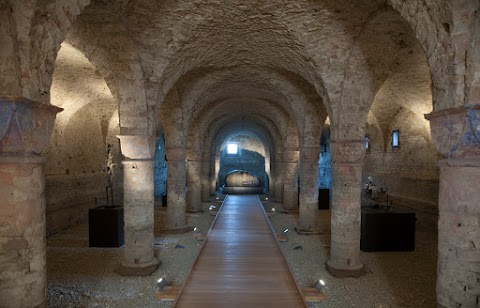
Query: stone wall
(83, 155)
(409, 171)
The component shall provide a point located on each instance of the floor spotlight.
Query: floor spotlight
(161, 284)
(319, 285)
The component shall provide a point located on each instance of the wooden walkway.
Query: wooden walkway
(241, 264)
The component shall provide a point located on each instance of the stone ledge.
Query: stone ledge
(142, 269)
(178, 230)
(308, 231)
(21, 159)
(344, 273)
(141, 147)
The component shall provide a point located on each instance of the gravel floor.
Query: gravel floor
(79, 276)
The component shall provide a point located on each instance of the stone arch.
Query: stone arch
(46, 31)
(388, 35)
(103, 37)
(228, 128)
(466, 35)
(236, 108)
(253, 156)
(83, 146)
(268, 55)
(293, 95)
(35, 32)
(427, 18)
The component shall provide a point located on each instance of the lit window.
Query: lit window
(395, 139)
(232, 148)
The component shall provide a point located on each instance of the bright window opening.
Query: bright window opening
(395, 139)
(232, 148)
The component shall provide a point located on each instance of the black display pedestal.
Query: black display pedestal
(390, 230)
(323, 199)
(105, 226)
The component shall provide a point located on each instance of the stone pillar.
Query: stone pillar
(194, 187)
(290, 186)
(205, 177)
(213, 180)
(25, 130)
(307, 220)
(268, 172)
(217, 171)
(456, 135)
(279, 177)
(347, 161)
(177, 191)
(138, 199)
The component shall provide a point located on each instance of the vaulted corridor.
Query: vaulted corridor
(129, 108)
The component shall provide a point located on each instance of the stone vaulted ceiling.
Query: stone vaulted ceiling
(302, 57)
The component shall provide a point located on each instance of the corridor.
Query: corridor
(241, 264)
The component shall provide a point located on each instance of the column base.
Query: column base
(179, 230)
(193, 211)
(289, 211)
(307, 231)
(142, 269)
(354, 272)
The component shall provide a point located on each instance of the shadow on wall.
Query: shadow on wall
(248, 161)
(82, 159)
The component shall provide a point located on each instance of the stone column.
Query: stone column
(194, 202)
(307, 220)
(290, 178)
(177, 191)
(138, 199)
(213, 180)
(268, 172)
(347, 161)
(278, 177)
(205, 177)
(456, 135)
(217, 171)
(25, 130)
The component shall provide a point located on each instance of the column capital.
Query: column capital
(175, 153)
(193, 155)
(25, 126)
(137, 147)
(310, 153)
(205, 156)
(291, 156)
(278, 156)
(347, 151)
(456, 131)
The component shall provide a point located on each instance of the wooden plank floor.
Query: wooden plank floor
(241, 264)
